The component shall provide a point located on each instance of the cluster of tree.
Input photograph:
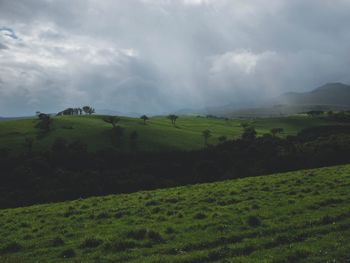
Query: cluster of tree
(209, 116)
(173, 118)
(68, 171)
(118, 133)
(341, 116)
(71, 111)
(77, 111)
(315, 113)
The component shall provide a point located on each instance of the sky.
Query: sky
(160, 56)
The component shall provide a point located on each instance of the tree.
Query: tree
(173, 118)
(314, 113)
(222, 139)
(206, 135)
(45, 122)
(112, 120)
(275, 131)
(88, 110)
(244, 125)
(249, 133)
(144, 118)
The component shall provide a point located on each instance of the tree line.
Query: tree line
(66, 170)
(77, 111)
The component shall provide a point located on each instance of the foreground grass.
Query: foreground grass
(301, 216)
(157, 135)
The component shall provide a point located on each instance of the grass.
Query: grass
(158, 134)
(298, 216)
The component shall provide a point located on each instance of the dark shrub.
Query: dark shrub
(137, 234)
(120, 245)
(68, 253)
(199, 216)
(255, 206)
(57, 241)
(102, 215)
(169, 230)
(151, 203)
(172, 200)
(156, 210)
(119, 214)
(70, 211)
(27, 237)
(11, 247)
(25, 225)
(253, 221)
(91, 242)
(154, 236)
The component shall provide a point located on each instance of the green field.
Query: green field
(301, 216)
(157, 134)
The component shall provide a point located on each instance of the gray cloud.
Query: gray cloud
(155, 56)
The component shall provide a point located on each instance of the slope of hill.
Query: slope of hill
(331, 94)
(298, 216)
(157, 134)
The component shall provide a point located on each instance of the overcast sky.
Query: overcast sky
(155, 56)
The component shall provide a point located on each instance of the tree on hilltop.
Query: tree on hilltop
(206, 135)
(88, 110)
(173, 118)
(144, 118)
(112, 120)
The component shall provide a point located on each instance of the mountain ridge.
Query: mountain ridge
(329, 94)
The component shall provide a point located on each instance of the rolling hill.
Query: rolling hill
(300, 216)
(157, 134)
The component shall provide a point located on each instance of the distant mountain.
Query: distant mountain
(117, 113)
(331, 94)
(14, 118)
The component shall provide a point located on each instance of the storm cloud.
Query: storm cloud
(158, 56)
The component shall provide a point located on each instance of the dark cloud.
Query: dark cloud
(157, 55)
(2, 46)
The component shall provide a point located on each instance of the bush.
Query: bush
(102, 215)
(154, 236)
(169, 230)
(120, 245)
(57, 241)
(11, 247)
(91, 242)
(137, 234)
(142, 234)
(119, 214)
(68, 253)
(253, 221)
(199, 216)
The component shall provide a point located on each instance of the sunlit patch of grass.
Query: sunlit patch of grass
(276, 218)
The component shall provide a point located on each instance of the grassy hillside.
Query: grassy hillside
(293, 217)
(157, 134)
